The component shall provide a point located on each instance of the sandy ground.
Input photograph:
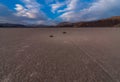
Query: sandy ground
(80, 55)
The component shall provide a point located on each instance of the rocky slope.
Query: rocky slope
(109, 22)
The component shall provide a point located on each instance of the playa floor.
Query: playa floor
(59, 54)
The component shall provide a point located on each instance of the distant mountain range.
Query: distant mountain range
(108, 22)
(11, 25)
(8, 25)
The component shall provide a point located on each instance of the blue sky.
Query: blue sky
(55, 11)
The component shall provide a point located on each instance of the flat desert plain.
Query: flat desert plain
(59, 54)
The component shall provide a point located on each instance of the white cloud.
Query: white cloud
(68, 10)
(97, 10)
(21, 11)
(56, 6)
(72, 4)
(30, 10)
(9, 16)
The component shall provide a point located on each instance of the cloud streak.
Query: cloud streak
(30, 10)
(97, 10)
(29, 13)
(35, 12)
(56, 6)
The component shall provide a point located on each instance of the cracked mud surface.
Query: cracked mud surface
(81, 55)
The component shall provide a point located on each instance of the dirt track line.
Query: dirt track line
(94, 60)
(99, 61)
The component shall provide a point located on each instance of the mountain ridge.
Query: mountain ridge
(108, 22)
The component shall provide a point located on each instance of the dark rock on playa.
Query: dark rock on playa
(51, 36)
(64, 32)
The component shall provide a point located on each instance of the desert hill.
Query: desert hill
(109, 22)
(11, 25)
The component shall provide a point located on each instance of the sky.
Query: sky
(51, 12)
